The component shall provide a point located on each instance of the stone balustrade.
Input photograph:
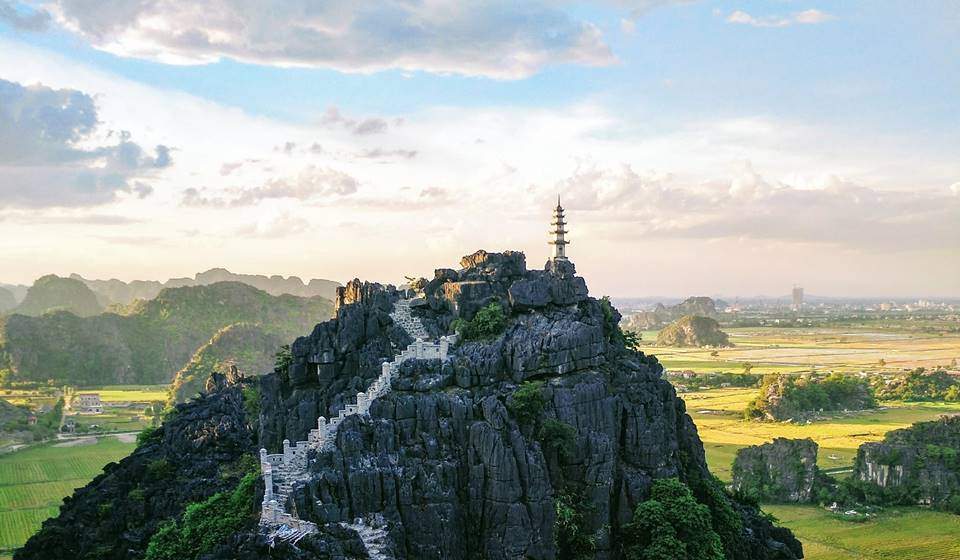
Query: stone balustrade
(282, 470)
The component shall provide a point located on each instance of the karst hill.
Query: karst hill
(492, 411)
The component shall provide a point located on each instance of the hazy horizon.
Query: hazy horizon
(698, 146)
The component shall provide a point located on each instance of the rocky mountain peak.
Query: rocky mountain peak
(537, 433)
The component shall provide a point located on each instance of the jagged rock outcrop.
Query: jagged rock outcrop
(444, 466)
(919, 464)
(783, 470)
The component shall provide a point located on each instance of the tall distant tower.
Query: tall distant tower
(558, 232)
(797, 297)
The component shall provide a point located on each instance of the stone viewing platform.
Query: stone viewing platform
(283, 471)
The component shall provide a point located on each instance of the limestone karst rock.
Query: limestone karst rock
(919, 464)
(693, 330)
(783, 470)
(443, 466)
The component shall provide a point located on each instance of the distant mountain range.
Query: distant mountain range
(148, 341)
(118, 292)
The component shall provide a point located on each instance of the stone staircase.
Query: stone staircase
(282, 472)
(402, 316)
(375, 539)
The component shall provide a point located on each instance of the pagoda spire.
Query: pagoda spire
(558, 233)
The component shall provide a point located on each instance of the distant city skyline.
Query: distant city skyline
(700, 147)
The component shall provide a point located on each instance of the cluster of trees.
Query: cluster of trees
(715, 380)
(793, 397)
(919, 385)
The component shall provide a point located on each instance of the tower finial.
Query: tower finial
(559, 232)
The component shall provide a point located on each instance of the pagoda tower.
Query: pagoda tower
(558, 232)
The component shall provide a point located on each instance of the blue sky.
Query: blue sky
(660, 122)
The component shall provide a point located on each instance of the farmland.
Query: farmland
(718, 416)
(793, 350)
(895, 533)
(34, 481)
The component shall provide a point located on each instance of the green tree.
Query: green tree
(283, 358)
(671, 525)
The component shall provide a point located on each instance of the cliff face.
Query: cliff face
(919, 464)
(455, 461)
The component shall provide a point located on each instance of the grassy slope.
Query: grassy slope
(34, 481)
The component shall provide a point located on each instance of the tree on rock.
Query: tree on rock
(671, 525)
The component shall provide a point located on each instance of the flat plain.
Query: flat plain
(791, 350)
(897, 533)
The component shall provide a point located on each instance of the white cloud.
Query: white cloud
(54, 153)
(499, 39)
(807, 17)
(811, 16)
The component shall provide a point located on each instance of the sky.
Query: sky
(699, 147)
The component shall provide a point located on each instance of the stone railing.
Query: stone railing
(282, 470)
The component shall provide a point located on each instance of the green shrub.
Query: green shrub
(205, 524)
(527, 402)
(671, 525)
(489, 322)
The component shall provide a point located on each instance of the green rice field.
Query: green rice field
(895, 534)
(34, 481)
